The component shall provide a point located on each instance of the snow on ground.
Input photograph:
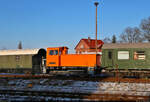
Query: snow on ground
(77, 86)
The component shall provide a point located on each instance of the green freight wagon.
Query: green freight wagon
(22, 60)
(126, 56)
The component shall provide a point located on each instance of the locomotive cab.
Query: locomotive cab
(54, 55)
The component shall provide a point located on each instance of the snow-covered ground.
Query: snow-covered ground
(77, 86)
(142, 89)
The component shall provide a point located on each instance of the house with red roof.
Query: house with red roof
(88, 46)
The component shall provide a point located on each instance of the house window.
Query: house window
(139, 55)
(109, 55)
(123, 55)
(81, 46)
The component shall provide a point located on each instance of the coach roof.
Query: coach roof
(20, 52)
(125, 45)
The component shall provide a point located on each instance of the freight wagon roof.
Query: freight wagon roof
(20, 52)
(125, 45)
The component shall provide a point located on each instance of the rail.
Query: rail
(81, 78)
(81, 96)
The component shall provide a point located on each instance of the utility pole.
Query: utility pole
(96, 4)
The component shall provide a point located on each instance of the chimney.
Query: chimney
(89, 39)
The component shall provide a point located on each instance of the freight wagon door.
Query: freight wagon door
(110, 58)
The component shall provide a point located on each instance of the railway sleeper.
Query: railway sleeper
(130, 73)
(89, 96)
(74, 70)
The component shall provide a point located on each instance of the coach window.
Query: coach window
(123, 55)
(110, 55)
(139, 55)
(17, 58)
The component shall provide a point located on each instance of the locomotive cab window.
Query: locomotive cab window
(53, 52)
(60, 52)
(139, 55)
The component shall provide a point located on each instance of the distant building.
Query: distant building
(88, 46)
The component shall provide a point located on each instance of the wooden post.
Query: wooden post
(96, 4)
(117, 73)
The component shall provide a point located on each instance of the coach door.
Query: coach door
(110, 58)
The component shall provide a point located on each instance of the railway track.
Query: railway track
(91, 96)
(78, 96)
(77, 78)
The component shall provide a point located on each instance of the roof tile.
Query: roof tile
(91, 42)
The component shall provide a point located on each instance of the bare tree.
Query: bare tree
(106, 40)
(20, 45)
(145, 26)
(131, 35)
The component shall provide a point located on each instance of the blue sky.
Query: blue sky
(47, 23)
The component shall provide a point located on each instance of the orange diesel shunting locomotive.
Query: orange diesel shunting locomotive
(58, 58)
